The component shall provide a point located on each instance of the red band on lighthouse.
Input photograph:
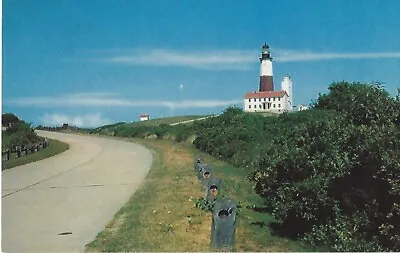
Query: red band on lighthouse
(266, 83)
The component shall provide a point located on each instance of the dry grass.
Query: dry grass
(160, 216)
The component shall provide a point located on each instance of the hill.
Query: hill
(329, 175)
(145, 128)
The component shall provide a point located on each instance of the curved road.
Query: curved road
(76, 193)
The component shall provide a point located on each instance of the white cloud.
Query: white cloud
(86, 120)
(229, 59)
(208, 60)
(298, 56)
(111, 100)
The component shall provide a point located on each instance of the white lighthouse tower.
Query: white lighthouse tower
(266, 74)
(287, 86)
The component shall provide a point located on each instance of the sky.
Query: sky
(95, 62)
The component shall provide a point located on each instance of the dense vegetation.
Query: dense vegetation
(17, 133)
(329, 175)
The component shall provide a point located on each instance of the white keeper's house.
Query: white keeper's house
(266, 99)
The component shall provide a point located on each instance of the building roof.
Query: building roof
(144, 115)
(265, 94)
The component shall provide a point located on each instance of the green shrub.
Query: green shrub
(19, 134)
(347, 158)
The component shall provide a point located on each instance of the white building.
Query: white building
(144, 117)
(266, 99)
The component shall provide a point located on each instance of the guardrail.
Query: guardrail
(223, 225)
(24, 150)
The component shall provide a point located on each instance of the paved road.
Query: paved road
(77, 192)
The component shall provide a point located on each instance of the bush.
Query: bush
(19, 134)
(364, 104)
(331, 173)
(345, 162)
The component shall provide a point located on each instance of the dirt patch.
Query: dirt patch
(113, 227)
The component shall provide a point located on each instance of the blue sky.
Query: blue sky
(100, 61)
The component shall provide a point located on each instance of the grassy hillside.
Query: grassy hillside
(55, 147)
(153, 122)
(158, 127)
(168, 120)
(162, 216)
(329, 175)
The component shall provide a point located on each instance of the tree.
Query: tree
(9, 118)
(362, 103)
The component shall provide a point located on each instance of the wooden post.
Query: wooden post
(18, 152)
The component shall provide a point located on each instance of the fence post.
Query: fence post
(213, 188)
(197, 166)
(7, 154)
(18, 151)
(204, 185)
(200, 169)
(223, 226)
(205, 172)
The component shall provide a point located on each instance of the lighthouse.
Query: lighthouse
(266, 99)
(266, 74)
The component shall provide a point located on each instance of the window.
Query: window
(259, 106)
(279, 105)
(265, 99)
(249, 106)
(269, 99)
(274, 99)
(259, 100)
(279, 99)
(274, 105)
(254, 100)
(255, 106)
(249, 99)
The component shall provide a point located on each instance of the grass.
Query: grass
(168, 120)
(266, 114)
(55, 147)
(127, 127)
(161, 216)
